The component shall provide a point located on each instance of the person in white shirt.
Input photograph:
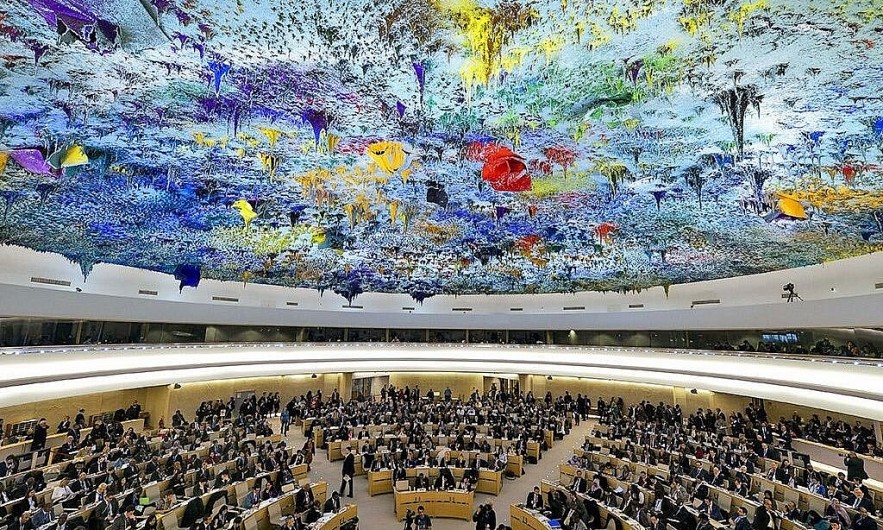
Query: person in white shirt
(61, 492)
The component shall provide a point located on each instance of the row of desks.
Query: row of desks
(521, 518)
(454, 504)
(380, 482)
(334, 450)
(236, 492)
(726, 499)
(606, 512)
(153, 490)
(270, 513)
(56, 440)
(804, 499)
(29, 460)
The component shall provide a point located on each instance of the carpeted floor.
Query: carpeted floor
(376, 513)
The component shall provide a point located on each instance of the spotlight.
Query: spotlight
(694, 391)
(177, 386)
(313, 376)
(548, 378)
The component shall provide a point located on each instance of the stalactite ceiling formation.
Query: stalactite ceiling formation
(443, 146)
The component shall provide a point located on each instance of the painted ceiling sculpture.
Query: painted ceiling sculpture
(443, 146)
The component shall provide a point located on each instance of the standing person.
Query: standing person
(41, 429)
(285, 418)
(480, 517)
(422, 521)
(309, 450)
(490, 516)
(855, 467)
(348, 472)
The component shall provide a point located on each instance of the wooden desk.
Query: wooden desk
(306, 425)
(299, 472)
(335, 449)
(606, 512)
(523, 519)
(515, 465)
(268, 513)
(489, 481)
(454, 504)
(336, 521)
(379, 482)
(533, 450)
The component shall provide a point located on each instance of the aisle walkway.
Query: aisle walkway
(376, 513)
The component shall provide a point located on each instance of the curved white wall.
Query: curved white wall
(852, 387)
(838, 294)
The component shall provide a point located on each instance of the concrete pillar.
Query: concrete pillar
(345, 385)
(525, 383)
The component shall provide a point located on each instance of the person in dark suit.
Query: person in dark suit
(64, 425)
(314, 513)
(740, 521)
(23, 522)
(41, 429)
(82, 485)
(863, 521)
(9, 466)
(107, 510)
(205, 523)
(292, 523)
(535, 499)
(710, 508)
(253, 498)
(860, 500)
(579, 484)
(44, 515)
(348, 472)
(421, 482)
(332, 505)
(654, 523)
(855, 466)
(763, 516)
(698, 472)
(125, 520)
(62, 522)
(703, 523)
(490, 516)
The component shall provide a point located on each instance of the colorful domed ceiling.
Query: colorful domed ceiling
(443, 146)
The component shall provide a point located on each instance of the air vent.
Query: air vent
(408, 308)
(516, 309)
(50, 281)
(878, 285)
(293, 304)
(350, 306)
(461, 309)
(147, 292)
(574, 308)
(786, 295)
(225, 299)
(705, 302)
(636, 306)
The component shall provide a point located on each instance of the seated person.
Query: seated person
(314, 513)
(534, 499)
(421, 482)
